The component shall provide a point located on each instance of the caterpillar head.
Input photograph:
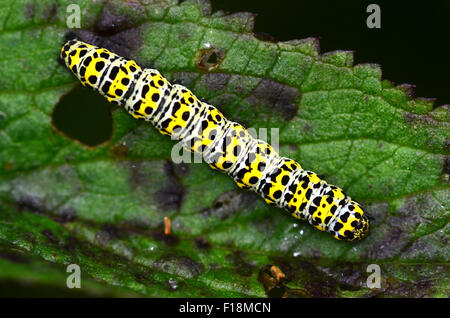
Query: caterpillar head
(361, 229)
(67, 51)
(351, 224)
(72, 53)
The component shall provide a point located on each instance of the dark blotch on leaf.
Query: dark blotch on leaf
(225, 205)
(275, 97)
(215, 82)
(50, 236)
(31, 204)
(229, 203)
(137, 176)
(171, 196)
(348, 275)
(50, 13)
(418, 120)
(109, 23)
(120, 151)
(116, 28)
(140, 278)
(184, 78)
(446, 166)
(423, 284)
(181, 169)
(447, 144)
(66, 215)
(169, 240)
(30, 10)
(206, 213)
(202, 244)
(323, 287)
(71, 244)
(107, 233)
(123, 43)
(181, 265)
(30, 237)
(241, 266)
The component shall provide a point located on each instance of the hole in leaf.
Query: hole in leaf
(84, 115)
(208, 59)
(213, 58)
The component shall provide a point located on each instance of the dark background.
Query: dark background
(411, 47)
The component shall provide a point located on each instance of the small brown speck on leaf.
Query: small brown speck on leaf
(167, 226)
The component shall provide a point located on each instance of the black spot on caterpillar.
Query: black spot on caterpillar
(225, 145)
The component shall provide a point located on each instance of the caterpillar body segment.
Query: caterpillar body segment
(225, 145)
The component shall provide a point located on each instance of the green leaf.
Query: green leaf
(103, 207)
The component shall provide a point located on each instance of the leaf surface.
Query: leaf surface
(103, 207)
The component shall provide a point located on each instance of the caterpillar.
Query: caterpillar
(223, 144)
